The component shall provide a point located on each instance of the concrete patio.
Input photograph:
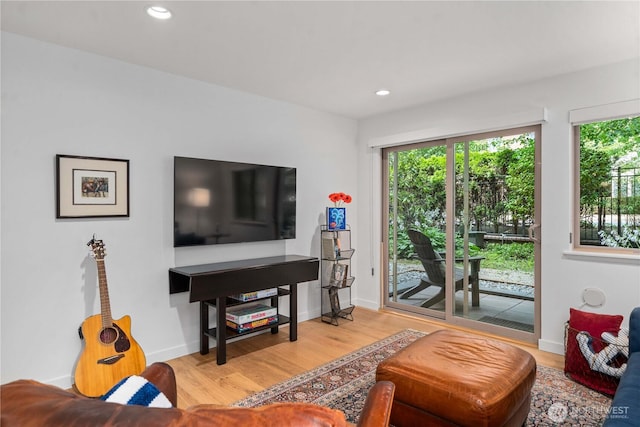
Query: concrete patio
(506, 297)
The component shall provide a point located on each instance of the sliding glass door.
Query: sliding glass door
(472, 201)
(416, 200)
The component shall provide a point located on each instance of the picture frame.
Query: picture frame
(91, 187)
(336, 218)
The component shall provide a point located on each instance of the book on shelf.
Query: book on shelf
(334, 301)
(250, 312)
(339, 274)
(244, 327)
(250, 296)
(330, 247)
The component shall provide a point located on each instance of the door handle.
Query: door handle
(531, 230)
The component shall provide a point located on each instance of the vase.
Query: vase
(336, 218)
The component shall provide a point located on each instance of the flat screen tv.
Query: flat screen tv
(217, 202)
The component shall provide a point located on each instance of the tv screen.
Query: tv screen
(217, 202)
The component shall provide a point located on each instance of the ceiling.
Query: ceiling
(333, 55)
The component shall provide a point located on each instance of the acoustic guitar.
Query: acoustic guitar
(110, 353)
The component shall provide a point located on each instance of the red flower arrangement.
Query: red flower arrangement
(339, 198)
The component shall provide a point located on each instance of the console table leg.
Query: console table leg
(221, 330)
(275, 303)
(293, 312)
(204, 326)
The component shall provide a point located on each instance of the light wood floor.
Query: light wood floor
(261, 361)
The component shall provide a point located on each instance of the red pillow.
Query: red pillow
(575, 364)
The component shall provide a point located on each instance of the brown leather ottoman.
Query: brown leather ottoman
(451, 378)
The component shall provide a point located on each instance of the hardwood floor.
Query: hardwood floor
(263, 360)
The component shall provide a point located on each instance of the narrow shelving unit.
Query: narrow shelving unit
(335, 275)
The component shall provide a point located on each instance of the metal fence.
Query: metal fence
(489, 205)
(620, 207)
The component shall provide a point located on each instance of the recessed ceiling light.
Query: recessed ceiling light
(159, 12)
(383, 92)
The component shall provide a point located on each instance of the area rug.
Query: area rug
(344, 383)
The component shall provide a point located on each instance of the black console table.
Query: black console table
(212, 284)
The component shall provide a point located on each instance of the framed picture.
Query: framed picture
(336, 218)
(89, 187)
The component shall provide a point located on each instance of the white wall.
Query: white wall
(62, 101)
(563, 277)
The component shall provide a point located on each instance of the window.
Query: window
(607, 199)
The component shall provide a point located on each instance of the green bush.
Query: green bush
(630, 238)
(438, 240)
(499, 256)
(509, 256)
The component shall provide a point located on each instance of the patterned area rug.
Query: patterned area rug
(344, 383)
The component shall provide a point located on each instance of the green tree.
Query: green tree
(486, 185)
(595, 183)
(421, 192)
(501, 172)
(520, 181)
(605, 146)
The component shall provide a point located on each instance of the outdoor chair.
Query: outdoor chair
(434, 267)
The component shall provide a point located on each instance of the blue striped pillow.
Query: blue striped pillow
(136, 390)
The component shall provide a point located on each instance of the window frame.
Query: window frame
(627, 109)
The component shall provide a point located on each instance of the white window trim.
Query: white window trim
(589, 115)
(601, 255)
(460, 126)
(605, 112)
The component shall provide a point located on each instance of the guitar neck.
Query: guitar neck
(105, 305)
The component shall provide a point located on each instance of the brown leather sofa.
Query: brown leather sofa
(29, 403)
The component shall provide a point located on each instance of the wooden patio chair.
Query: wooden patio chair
(434, 267)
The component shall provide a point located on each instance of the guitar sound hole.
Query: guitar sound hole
(108, 335)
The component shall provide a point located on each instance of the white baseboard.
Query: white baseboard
(371, 305)
(162, 355)
(551, 346)
(66, 381)
(63, 382)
